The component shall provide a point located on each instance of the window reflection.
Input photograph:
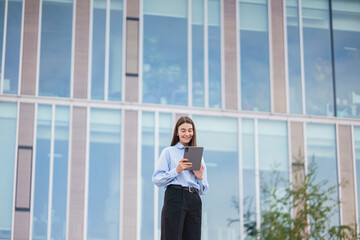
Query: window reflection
(248, 179)
(346, 35)
(321, 148)
(42, 172)
(104, 174)
(2, 21)
(8, 123)
(294, 62)
(55, 48)
(254, 55)
(319, 95)
(106, 66)
(51, 166)
(219, 137)
(147, 170)
(12, 49)
(198, 57)
(273, 154)
(165, 73)
(214, 39)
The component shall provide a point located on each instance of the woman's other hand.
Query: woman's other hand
(199, 173)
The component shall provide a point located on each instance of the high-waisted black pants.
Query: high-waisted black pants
(181, 215)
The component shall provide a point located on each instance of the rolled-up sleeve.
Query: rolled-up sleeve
(204, 185)
(163, 174)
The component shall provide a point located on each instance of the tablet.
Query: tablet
(194, 154)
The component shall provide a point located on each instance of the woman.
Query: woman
(181, 213)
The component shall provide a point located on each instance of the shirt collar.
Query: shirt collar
(179, 145)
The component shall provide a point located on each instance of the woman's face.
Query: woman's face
(185, 133)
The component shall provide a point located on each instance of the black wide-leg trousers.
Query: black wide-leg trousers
(181, 215)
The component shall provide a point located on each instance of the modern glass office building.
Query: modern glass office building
(90, 91)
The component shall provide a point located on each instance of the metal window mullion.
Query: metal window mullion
(238, 53)
(21, 47)
(107, 51)
(222, 55)
(338, 169)
(91, 20)
(4, 48)
(139, 183)
(38, 50)
(290, 162)
(190, 93)
(286, 58)
(140, 57)
(33, 171)
(241, 194)
(73, 50)
(302, 67)
(257, 174)
(123, 52)
(87, 160)
(15, 169)
(51, 171)
(206, 56)
(156, 189)
(122, 154)
(69, 175)
(271, 79)
(355, 177)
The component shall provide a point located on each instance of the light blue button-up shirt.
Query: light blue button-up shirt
(166, 174)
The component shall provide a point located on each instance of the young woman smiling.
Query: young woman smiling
(181, 213)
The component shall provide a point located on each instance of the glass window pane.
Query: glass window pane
(60, 173)
(98, 50)
(8, 123)
(42, 172)
(198, 53)
(55, 49)
(104, 174)
(12, 50)
(321, 148)
(219, 137)
(165, 135)
(346, 36)
(254, 55)
(357, 164)
(115, 54)
(248, 178)
(294, 62)
(273, 153)
(165, 73)
(214, 41)
(147, 169)
(319, 95)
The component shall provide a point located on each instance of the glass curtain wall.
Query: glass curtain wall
(11, 58)
(103, 208)
(346, 44)
(219, 137)
(356, 137)
(51, 171)
(254, 55)
(318, 71)
(147, 170)
(8, 124)
(321, 149)
(293, 55)
(165, 48)
(106, 63)
(55, 48)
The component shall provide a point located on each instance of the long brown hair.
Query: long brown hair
(182, 120)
